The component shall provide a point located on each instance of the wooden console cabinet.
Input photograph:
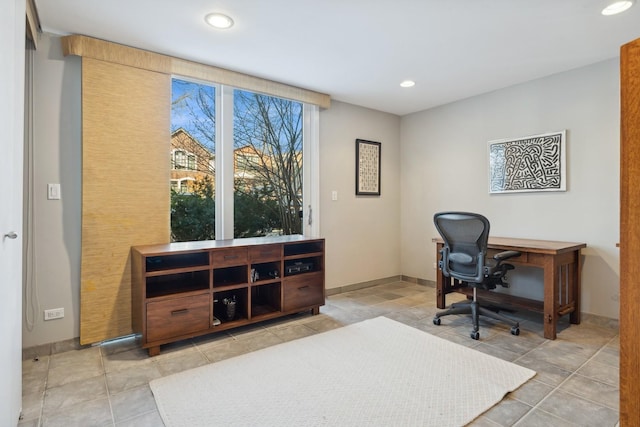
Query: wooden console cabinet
(185, 289)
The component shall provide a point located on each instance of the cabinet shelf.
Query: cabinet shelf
(177, 261)
(177, 283)
(230, 276)
(303, 255)
(266, 281)
(231, 287)
(304, 248)
(175, 271)
(160, 295)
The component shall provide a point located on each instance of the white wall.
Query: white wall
(57, 159)
(361, 232)
(444, 167)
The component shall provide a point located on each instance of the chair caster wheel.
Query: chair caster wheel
(515, 331)
(436, 321)
(475, 335)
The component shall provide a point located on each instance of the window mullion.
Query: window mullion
(224, 164)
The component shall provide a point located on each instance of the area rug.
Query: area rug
(378, 372)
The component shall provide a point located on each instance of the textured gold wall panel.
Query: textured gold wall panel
(125, 186)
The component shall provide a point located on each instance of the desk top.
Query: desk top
(529, 245)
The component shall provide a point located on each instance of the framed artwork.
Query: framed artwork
(367, 168)
(527, 164)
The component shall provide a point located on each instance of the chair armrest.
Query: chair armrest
(501, 256)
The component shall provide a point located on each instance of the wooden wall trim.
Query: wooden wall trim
(629, 233)
(85, 46)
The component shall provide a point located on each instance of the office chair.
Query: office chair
(464, 258)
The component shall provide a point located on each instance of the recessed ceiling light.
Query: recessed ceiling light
(617, 7)
(219, 20)
(408, 83)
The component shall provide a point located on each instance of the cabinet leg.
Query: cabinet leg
(154, 351)
(315, 310)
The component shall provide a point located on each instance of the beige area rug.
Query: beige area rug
(378, 372)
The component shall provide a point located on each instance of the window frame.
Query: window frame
(225, 161)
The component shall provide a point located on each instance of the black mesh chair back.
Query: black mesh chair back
(465, 238)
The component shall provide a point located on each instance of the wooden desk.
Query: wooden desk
(561, 263)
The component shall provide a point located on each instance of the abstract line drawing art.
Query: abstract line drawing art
(526, 164)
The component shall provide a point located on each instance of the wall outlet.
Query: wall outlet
(54, 313)
(435, 266)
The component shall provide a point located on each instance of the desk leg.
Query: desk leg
(576, 279)
(441, 281)
(550, 297)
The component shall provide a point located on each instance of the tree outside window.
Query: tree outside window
(267, 141)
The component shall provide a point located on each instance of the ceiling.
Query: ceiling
(358, 51)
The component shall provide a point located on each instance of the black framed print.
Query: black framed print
(367, 167)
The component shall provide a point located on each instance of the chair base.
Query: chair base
(475, 310)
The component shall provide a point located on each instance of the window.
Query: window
(246, 164)
(191, 162)
(267, 135)
(179, 161)
(193, 137)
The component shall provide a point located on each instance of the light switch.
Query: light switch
(53, 191)
(334, 195)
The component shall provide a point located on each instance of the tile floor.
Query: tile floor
(108, 385)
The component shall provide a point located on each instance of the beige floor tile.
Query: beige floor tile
(34, 375)
(289, 333)
(483, 421)
(498, 352)
(580, 411)
(224, 350)
(608, 355)
(595, 391)
(323, 324)
(68, 395)
(84, 414)
(564, 354)
(126, 359)
(546, 372)
(32, 405)
(539, 418)
(126, 379)
(150, 419)
(129, 404)
(178, 362)
(74, 366)
(507, 412)
(603, 372)
(531, 392)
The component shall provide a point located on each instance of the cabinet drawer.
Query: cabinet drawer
(265, 253)
(303, 291)
(175, 317)
(229, 257)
